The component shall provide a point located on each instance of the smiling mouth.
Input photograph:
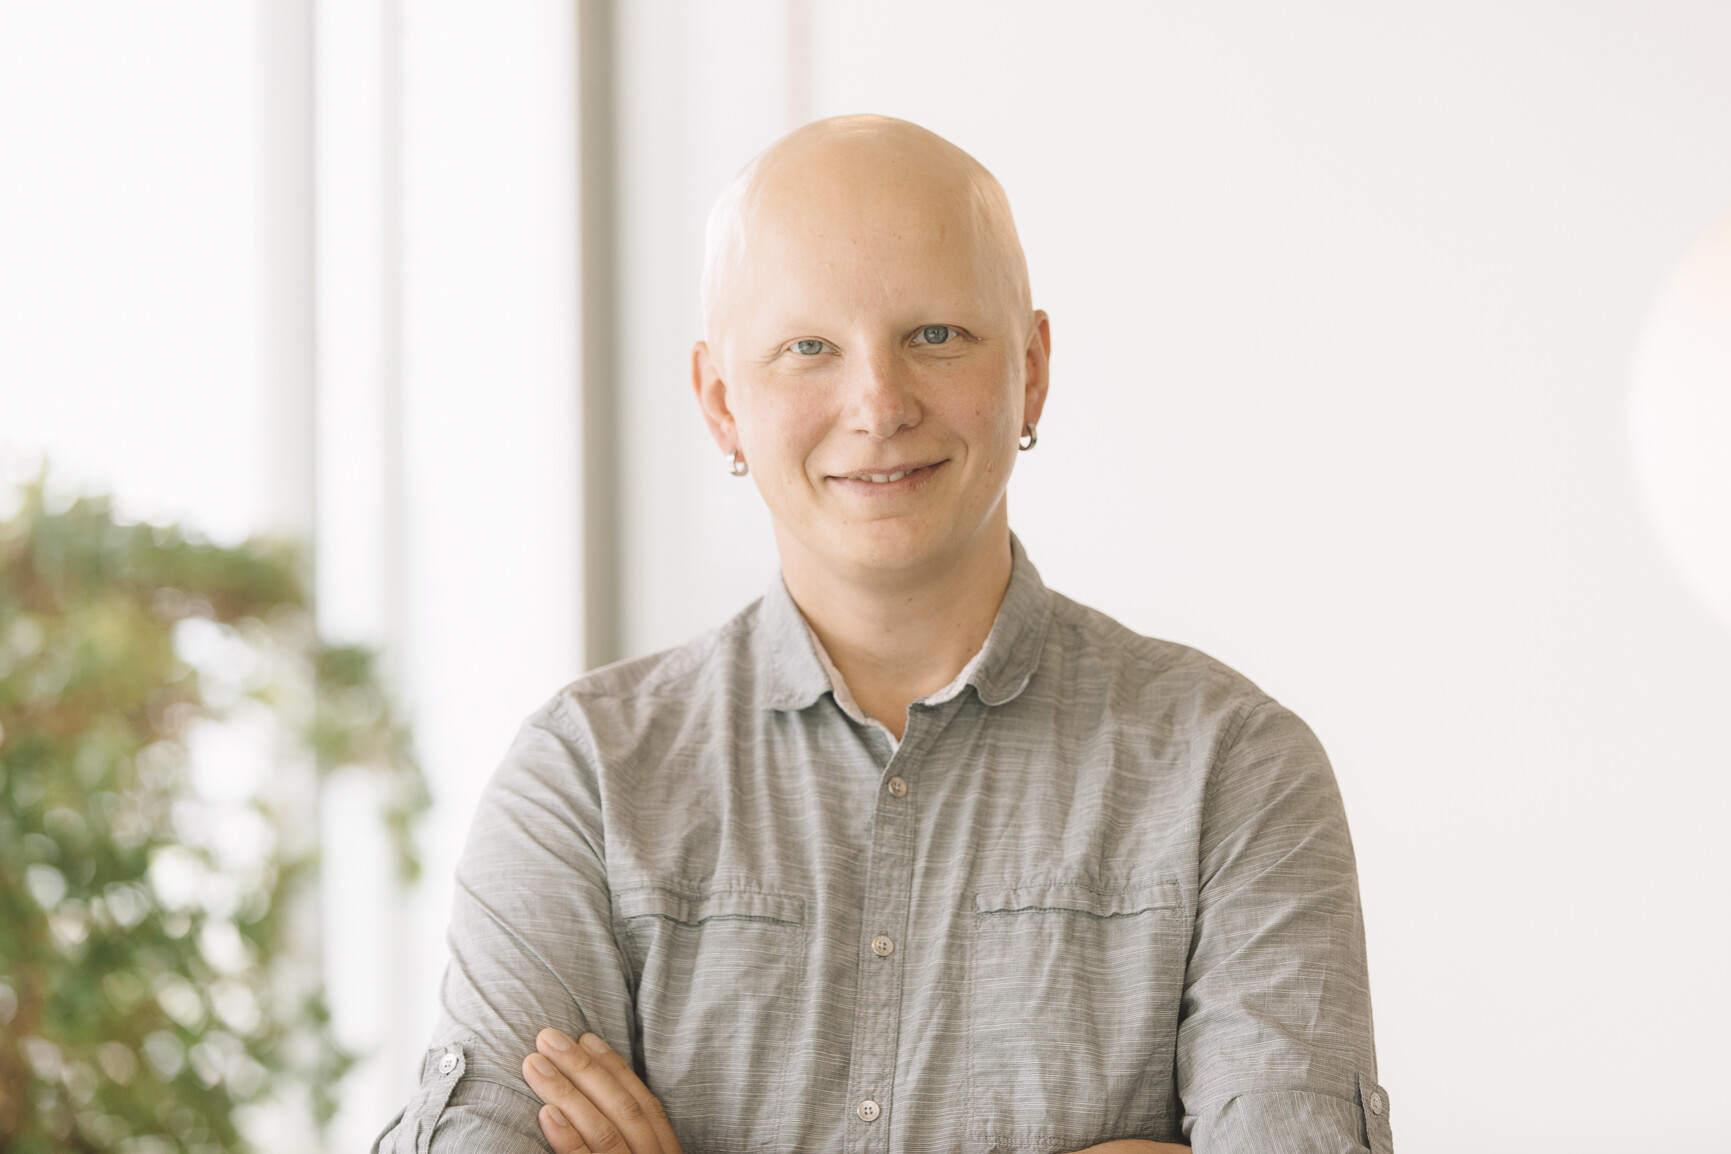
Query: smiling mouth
(889, 476)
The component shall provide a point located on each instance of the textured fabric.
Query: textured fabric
(1110, 882)
(844, 696)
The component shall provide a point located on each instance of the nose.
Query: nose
(881, 402)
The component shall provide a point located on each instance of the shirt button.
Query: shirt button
(882, 946)
(448, 1062)
(1376, 1101)
(868, 1111)
(898, 787)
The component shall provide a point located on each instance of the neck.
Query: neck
(898, 638)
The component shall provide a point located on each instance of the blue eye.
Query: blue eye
(808, 347)
(935, 334)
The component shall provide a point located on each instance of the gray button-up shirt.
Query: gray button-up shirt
(1105, 890)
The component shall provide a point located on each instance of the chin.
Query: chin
(886, 547)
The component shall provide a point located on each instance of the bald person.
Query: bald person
(913, 854)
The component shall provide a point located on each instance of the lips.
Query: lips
(887, 476)
(904, 477)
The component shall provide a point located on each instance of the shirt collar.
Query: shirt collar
(794, 675)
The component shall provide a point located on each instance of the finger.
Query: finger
(597, 1079)
(608, 1080)
(614, 1063)
(594, 1129)
(560, 1134)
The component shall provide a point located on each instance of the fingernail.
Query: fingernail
(542, 1066)
(594, 1042)
(557, 1118)
(555, 1039)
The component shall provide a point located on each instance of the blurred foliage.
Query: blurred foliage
(155, 934)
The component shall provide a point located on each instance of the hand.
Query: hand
(595, 1102)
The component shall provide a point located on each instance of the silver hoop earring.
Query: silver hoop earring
(1029, 438)
(736, 464)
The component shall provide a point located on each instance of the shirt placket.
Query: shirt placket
(883, 927)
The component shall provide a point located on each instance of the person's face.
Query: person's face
(874, 367)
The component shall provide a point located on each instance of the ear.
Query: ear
(1039, 367)
(711, 393)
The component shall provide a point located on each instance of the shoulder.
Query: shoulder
(1257, 763)
(616, 708)
(1161, 684)
(615, 725)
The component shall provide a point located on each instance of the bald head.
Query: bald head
(872, 354)
(855, 178)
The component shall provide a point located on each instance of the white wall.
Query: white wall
(127, 256)
(449, 450)
(1344, 299)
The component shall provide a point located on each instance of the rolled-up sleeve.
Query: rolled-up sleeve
(532, 946)
(1275, 1052)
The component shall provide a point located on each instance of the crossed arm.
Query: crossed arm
(1277, 967)
(594, 1103)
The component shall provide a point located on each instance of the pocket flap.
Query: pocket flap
(694, 909)
(1079, 898)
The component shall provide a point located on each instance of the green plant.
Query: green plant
(154, 973)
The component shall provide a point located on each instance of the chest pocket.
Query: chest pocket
(1073, 1002)
(717, 976)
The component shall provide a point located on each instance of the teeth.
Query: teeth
(886, 478)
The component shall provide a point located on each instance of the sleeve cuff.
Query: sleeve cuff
(412, 1130)
(1295, 1122)
(1373, 1107)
